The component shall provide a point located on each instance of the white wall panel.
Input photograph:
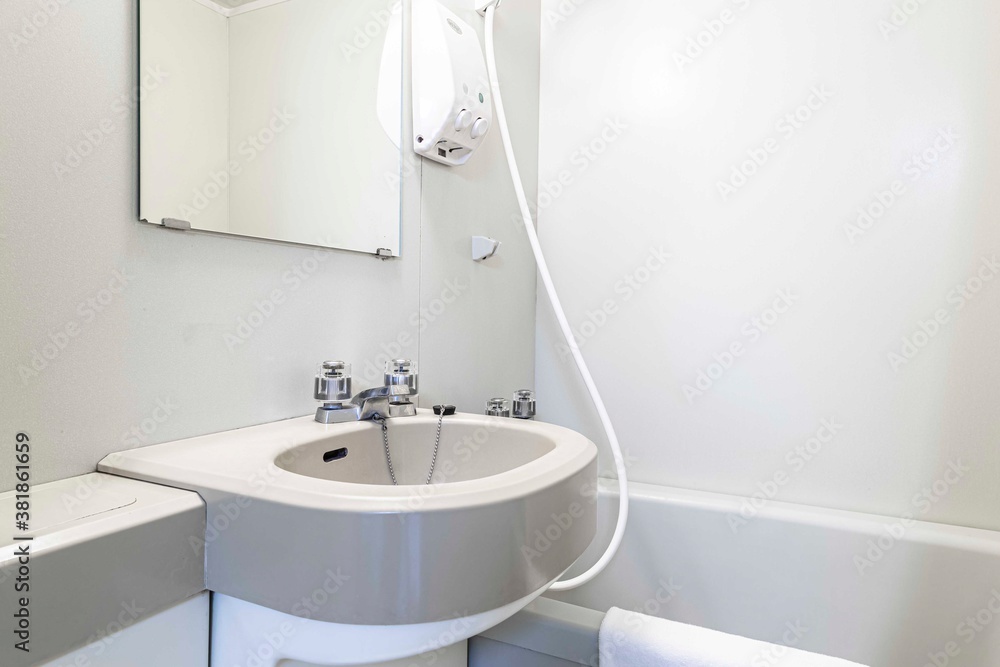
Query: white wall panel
(646, 107)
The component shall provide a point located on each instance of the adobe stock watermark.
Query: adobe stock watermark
(635, 619)
(423, 318)
(899, 17)
(918, 165)
(774, 654)
(98, 643)
(966, 632)
(136, 436)
(365, 35)
(463, 450)
(428, 314)
(712, 31)
(624, 289)
(563, 11)
(87, 312)
(34, 22)
(434, 649)
(222, 515)
(249, 149)
(265, 652)
(786, 127)
(140, 433)
(796, 459)
(751, 332)
(264, 309)
(309, 606)
(93, 138)
(561, 523)
(958, 298)
(409, 165)
(580, 160)
(666, 590)
(922, 503)
(543, 539)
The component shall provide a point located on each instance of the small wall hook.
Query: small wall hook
(483, 247)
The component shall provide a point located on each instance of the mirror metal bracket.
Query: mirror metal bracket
(174, 223)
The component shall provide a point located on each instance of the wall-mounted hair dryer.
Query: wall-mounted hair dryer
(452, 105)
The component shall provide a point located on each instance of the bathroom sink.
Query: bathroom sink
(478, 449)
(305, 522)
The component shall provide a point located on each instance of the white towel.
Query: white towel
(631, 639)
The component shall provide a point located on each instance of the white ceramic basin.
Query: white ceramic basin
(473, 449)
(304, 522)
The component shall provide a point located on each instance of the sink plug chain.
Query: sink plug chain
(441, 411)
(434, 457)
(381, 421)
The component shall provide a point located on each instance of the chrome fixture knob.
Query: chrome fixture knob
(497, 407)
(524, 404)
(401, 372)
(333, 382)
(392, 399)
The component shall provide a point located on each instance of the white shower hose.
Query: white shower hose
(543, 271)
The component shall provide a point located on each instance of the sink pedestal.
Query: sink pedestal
(247, 634)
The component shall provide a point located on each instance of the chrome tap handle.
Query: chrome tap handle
(497, 407)
(333, 382)
(524, 404)
(401, 372)
(392, 399)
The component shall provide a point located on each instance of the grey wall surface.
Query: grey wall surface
(116, 334)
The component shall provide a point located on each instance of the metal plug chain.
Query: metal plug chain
(437, 443)
(442, 411)
(381, 421)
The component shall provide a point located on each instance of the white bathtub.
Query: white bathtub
(885, 592)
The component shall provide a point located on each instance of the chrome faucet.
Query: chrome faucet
(393, 399)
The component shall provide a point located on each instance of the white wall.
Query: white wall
(167, 356)
(673, 129)
(174, 165)
(487, 332)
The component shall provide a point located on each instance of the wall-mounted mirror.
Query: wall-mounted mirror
(275, 119)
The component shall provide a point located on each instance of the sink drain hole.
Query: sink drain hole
(335, 455)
